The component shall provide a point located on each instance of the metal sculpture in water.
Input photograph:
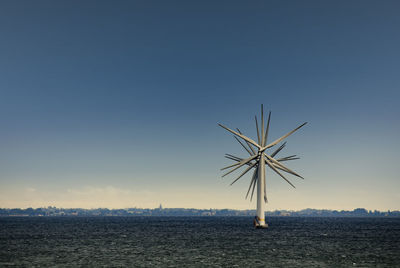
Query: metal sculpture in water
(257, 161)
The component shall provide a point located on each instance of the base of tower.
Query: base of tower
(259, 223)
(265, 226)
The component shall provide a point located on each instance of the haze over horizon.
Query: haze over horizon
(116, 104)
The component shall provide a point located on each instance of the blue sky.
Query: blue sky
(116, 104)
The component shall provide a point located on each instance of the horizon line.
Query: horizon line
(291, 210)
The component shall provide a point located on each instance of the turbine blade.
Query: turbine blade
(234, 159)
(286, 157)
(237, 160)
(248, 144)
(288, 171)
(282, 160)
(243, 145)
(279, 149)
(252, 191)
(274, 169)
(266, 131)
(240, 164)
(282, 167)
(234, 156)
(244, 172)
(284, 137)
(241, 136)
(252, 181)
(258, 132)
(291, 157)
(262, 125)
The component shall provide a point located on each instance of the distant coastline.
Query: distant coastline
(66, 212)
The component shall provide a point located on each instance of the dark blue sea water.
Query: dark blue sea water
(199, 242)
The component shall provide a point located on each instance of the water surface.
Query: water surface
(198, 241)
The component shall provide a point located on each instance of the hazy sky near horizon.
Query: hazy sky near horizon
(116, 103)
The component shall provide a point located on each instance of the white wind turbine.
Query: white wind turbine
(257, 160)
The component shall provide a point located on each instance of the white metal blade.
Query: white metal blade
(254, 186)
(258, 131)
(237, 160)
(234, 156)
(283, 137)
(241, 136)
(243, 145)
(248, 144)
(283, 160)
(274, 169)
(240, 164)
(282, 167)
(244, 172)
(230, 166)
(253, 179)
(287, 158)
(278, 150)
(262, 125)
(288, 171)
(267, 130)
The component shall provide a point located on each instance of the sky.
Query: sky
(116, 103)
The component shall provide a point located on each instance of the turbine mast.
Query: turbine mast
(260, 194)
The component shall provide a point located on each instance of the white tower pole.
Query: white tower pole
(260, 192)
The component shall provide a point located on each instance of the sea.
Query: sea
(198, 242)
